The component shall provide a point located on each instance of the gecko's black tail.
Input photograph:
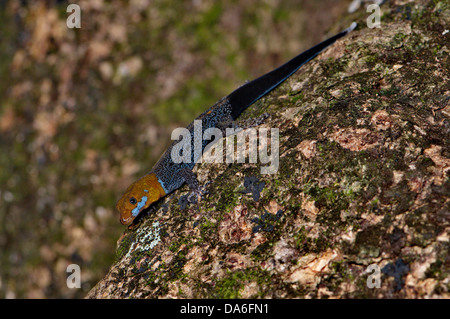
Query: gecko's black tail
(249, 93)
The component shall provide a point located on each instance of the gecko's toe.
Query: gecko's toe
(194, 195)
(193, 198)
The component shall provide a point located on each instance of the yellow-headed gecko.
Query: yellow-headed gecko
(167, 176)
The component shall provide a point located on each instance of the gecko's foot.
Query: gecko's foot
(200, 192)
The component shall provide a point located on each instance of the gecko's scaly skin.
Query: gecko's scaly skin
(167, 176)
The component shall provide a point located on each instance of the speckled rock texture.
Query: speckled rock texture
(363, 180)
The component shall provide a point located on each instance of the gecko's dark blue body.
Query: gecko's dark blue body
(170, 175)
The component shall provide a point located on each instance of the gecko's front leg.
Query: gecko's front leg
(195, 189)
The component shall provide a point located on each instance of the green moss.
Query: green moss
(298, 96)
(390, 91)
(262, 252)
(301, 238)
(207, 228)
(230, 287)
(228, 196)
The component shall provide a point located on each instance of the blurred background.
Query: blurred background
(84, 112)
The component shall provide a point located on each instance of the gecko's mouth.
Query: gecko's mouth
(134, 216)
(126, 221)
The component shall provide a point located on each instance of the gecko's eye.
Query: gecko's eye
(133, 201)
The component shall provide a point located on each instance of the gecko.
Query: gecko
(167, 176)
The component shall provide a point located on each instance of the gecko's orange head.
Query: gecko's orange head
(138, 196)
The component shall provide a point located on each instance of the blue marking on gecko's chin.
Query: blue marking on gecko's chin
(139, 206)
(163, 186)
